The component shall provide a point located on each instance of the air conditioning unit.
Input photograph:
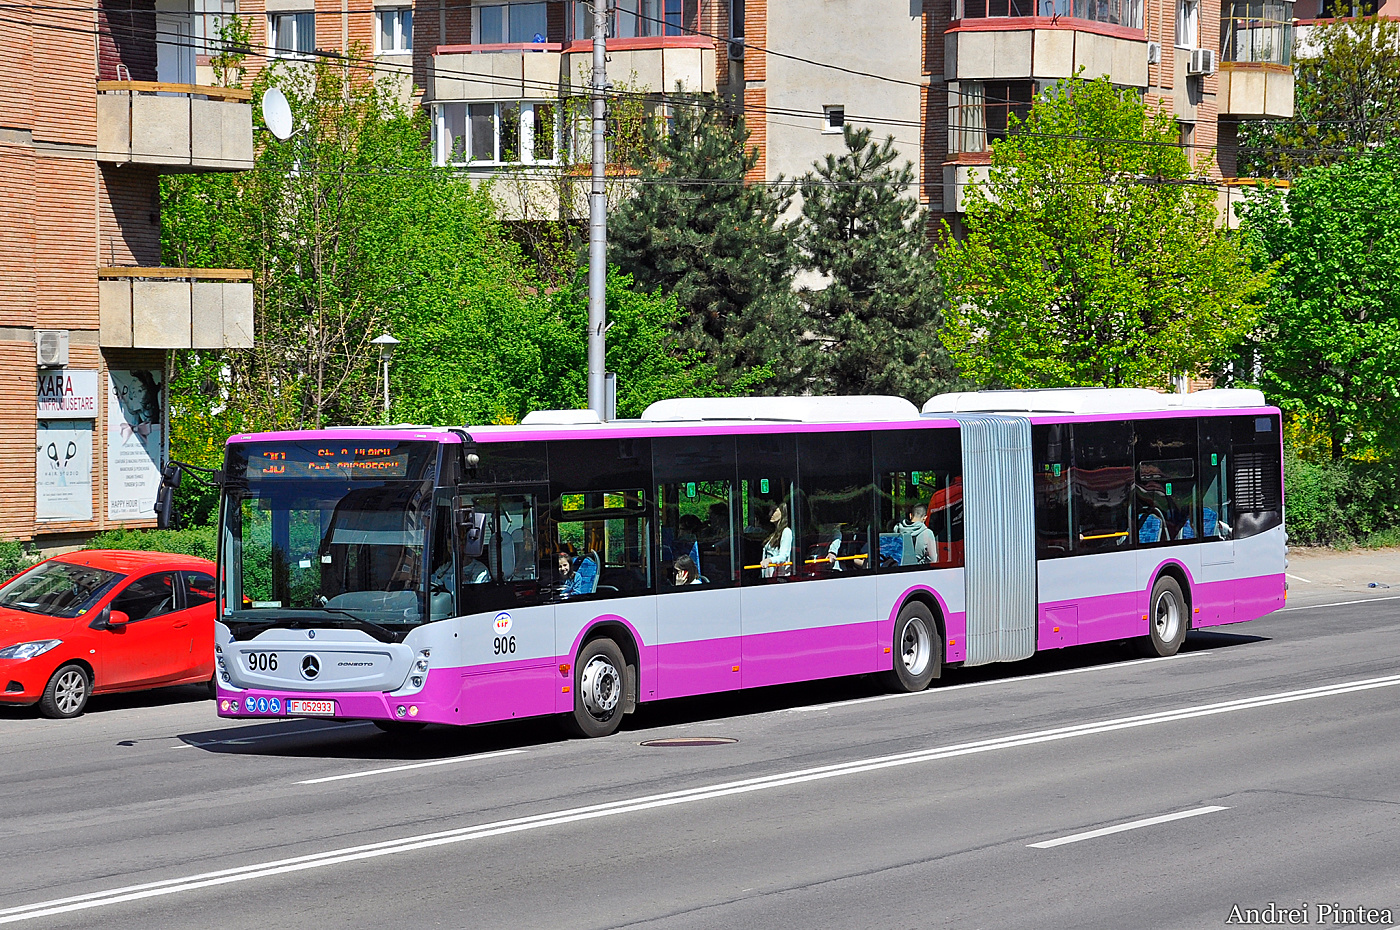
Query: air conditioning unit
(1154, 53)
(1202, 61)
(52, 347)
(736, 49)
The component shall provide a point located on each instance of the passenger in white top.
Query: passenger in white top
(777, 548)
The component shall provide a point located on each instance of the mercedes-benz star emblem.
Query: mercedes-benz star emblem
(310, 667)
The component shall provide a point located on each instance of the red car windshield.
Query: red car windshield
(58, 589)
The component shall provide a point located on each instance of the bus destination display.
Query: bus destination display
(324, 460)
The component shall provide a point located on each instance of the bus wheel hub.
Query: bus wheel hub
(601, 687)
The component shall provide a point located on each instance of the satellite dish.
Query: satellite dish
(277, 113)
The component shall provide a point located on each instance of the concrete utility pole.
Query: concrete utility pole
(598, 222)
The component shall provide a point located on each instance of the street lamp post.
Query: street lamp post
(386, 344)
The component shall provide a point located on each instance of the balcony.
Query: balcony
(544, 70)
(180, 127)
(1046, 40)
(1256, 71)
(175, 308)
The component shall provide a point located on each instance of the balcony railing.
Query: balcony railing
(177, 126)
(175, 308)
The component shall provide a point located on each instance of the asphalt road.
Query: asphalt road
(1259, 766)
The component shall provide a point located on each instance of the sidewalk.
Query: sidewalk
(1324, 576)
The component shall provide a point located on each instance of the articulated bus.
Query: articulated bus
(412, 575)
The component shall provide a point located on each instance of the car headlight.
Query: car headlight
(29, 650)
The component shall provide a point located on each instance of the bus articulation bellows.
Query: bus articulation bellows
(411, 575)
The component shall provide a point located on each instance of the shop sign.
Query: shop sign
(67, 394)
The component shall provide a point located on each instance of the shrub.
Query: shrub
(199, 541)
(15, 557)
(1341, 503)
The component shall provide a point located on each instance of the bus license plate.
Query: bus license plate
(312, 708)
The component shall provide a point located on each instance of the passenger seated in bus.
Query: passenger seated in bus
(777, 548)
(684, 572)
(918, 538)
(577, 576)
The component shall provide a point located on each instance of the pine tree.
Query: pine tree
(698, 232)
(878, 318)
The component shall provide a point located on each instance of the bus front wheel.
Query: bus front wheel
(918, 650)
(600, 680)
(1166, 619)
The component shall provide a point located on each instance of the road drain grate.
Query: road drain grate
(674, 741)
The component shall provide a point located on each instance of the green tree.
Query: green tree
(326, 221)
(1330, 335)
(877, 319)
(1346, 98)
(350, 230)
(494, 361)
(1092, 253)
(695, 230)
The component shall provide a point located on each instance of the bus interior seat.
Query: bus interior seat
(441, 606)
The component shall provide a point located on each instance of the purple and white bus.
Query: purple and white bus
(411, 575)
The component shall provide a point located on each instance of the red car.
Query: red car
(100, 621)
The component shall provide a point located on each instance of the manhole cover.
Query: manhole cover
(690, 741)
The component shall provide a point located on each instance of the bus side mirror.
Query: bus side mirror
(170, 477)
(473, 527)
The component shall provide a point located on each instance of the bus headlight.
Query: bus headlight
(421, 665)
(417, 681)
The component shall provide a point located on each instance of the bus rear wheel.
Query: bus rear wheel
(918, 650)
(1166, 619)
(600, 680)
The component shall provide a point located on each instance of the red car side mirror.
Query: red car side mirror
(116, 620)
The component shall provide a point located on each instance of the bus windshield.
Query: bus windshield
(327, 536)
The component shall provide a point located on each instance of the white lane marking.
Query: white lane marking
(1133, 825)
(979, 684)
(413, 765)
(1297, 577)
(1364, 600)
(668, 799)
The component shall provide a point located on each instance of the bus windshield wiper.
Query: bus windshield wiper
(367, 625)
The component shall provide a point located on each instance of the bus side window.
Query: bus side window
(1166, 506)
(835, 484)
(1255, 475)
(1050, 452)
(1216, 511)
(695, 498)
(773, 513)
(1101, 486)
(603, 544)
(919, 515)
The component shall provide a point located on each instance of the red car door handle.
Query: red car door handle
(182, 624)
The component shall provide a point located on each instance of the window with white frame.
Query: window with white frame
(291, 35)
(1188, 13)
(500, 23)
(394, 32)
(833, 119)
(502, 133)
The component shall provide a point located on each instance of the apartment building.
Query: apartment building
(941, 76)
(95, 105)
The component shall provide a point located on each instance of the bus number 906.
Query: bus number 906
(505, 645)
(262, 661)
